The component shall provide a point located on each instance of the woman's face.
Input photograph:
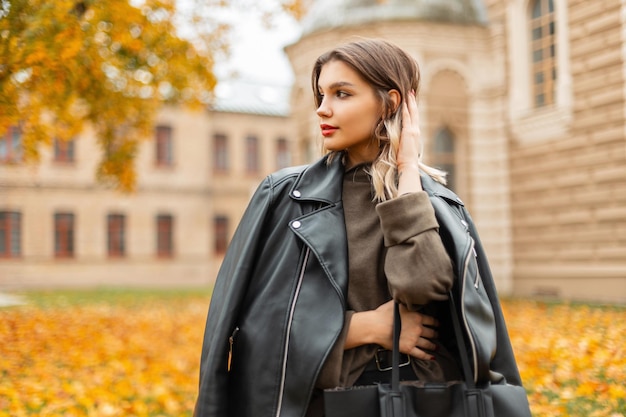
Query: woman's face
(348, 112)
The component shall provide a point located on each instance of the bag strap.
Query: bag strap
(395, 355)
(458, 335)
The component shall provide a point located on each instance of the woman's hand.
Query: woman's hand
(409, 148)
(415, 334)
(376, 326)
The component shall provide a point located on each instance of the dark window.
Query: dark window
(283, 156)
(164, 151)
(220, 225)
(115, 235)
(252, 154)
(443, 154)
(64, 235)
(64, 150)
(165, 239)
(10, 234)
(543, 50)
(220, 153)
(540, 100)
(11, 145)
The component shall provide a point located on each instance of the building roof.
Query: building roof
(329, 14)
(246, 96)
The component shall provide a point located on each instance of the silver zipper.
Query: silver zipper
(477, 281)
(281, 391)
(467, 329)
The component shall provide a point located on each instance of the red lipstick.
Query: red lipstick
(328, 130)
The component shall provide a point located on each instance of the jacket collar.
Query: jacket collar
(320, 181)
(433, 188)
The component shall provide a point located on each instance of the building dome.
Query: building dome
(329, 14)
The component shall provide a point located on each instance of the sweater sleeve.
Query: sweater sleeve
(343, 367)
(417, 265)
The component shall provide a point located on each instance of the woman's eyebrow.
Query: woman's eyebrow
(340, 84)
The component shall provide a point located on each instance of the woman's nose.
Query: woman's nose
(323, 110)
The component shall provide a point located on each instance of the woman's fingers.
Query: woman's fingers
(428, 333)
(420, 354)
(410, 113)
(412, 107)
(408, 152)
(418, 333)
(406, 115)
(423, 349)
(425, 343)
(427, 320)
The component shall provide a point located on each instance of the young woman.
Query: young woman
(304, 298)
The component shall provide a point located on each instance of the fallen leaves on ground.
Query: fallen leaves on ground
(140, 360)
(572, 357)
(101, 360)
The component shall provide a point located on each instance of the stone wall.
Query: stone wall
(569, 191)
(189, 190)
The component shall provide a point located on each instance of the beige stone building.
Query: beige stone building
(522, 101)
(59, 227)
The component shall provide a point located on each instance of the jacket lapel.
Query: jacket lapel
(320, 182)
(322, 226)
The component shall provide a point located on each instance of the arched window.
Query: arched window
(443, 154)
(543, 51)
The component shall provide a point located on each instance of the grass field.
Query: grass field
(120, 352)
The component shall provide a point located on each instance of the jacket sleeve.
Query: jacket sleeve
(503, 362)
(230, 288)
(417, 265)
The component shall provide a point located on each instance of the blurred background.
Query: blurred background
(133, 133)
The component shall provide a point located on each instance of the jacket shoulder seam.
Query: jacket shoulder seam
(285, 174)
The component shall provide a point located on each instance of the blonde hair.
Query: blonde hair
(385, 67)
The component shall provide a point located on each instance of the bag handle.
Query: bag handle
(395, 354)
(458, 335)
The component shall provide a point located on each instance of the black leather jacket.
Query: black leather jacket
(279, 299)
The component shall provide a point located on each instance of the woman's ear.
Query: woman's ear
(396, 99)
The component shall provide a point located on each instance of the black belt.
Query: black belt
(383, 361)
(378, 369)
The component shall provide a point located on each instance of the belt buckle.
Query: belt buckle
(379, 362)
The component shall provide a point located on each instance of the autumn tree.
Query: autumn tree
(109, 65)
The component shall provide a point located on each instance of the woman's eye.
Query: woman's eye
(342, 94)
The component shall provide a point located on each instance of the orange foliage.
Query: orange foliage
(108, 64)
(296, 8)
(572, 358)
(142, 360)
(101, 360)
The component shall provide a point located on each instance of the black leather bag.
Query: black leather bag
(418, 399)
